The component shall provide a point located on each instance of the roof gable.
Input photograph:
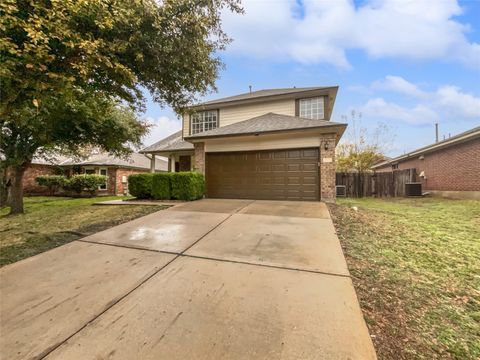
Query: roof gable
(170, 143)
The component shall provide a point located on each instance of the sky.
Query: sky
(407, 64)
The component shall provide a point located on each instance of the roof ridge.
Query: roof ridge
(258, 94)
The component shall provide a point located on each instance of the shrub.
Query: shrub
(140, 185)
(52, 182)
(84, 182)
(161, 186)
(187, 185)
(164, 186)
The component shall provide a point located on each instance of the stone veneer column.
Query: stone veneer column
(327, 168)
(199, 157)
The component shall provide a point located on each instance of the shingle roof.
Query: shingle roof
(51, 160)
(467, 135)
(170, 143)
(264, 93)
(266, 123)
(135, 160)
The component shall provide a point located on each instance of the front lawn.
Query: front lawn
(49, 222)
(415, 264)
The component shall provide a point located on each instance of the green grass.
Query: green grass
(49, 222)
(415, 265)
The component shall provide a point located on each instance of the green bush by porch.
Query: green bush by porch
(187, 185)
(140, 185)
(161, 187)
(166, 186)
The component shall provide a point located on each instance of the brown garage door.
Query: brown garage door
(274, 174)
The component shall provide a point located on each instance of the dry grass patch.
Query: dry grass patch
(49, 222)
(415, 264)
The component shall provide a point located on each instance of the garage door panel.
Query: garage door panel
(309, 180)
(309, 167)
(310, 154)
(275, 174)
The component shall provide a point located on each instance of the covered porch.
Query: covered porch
(179, 153)
(177, 160)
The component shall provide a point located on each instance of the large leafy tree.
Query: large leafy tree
(72, 71)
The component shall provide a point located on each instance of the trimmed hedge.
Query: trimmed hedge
(140, 185)
(52, 182)
(165, 186)
(187, 186)
(84, 182)
(161, 187)
(75, 183)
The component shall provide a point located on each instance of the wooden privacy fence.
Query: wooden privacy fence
(375, 184)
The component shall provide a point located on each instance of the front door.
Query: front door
(185, 163)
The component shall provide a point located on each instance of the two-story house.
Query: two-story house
(274, 144)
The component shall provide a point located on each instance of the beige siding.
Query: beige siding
(265, 142)
(234, 114)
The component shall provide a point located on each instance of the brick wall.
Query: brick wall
(199, 158)
(456, 168)
(122, 187)
(327, 168)
(30, 186)
(115, 186)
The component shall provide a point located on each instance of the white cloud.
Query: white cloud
(322, 31)
(400, 85)
(447, 102)
(458, 103)
(161, 128)
(379, 108)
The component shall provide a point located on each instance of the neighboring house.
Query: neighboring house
(39, 167)
(116, 169)
(448, 168)
(267, 144)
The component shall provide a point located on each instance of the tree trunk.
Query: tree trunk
(4, 184)
(16, 190)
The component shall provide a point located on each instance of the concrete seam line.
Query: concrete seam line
(212, 229)
(218, 259)
(265, 265)
(95, 317)
(109, 306)
(128, 247)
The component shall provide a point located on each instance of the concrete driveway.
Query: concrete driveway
(211, 279)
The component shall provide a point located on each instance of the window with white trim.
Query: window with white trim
(204, 121)
(312, 108)
(103, 172)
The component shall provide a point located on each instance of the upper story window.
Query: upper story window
(312, 108)
(204, 121)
